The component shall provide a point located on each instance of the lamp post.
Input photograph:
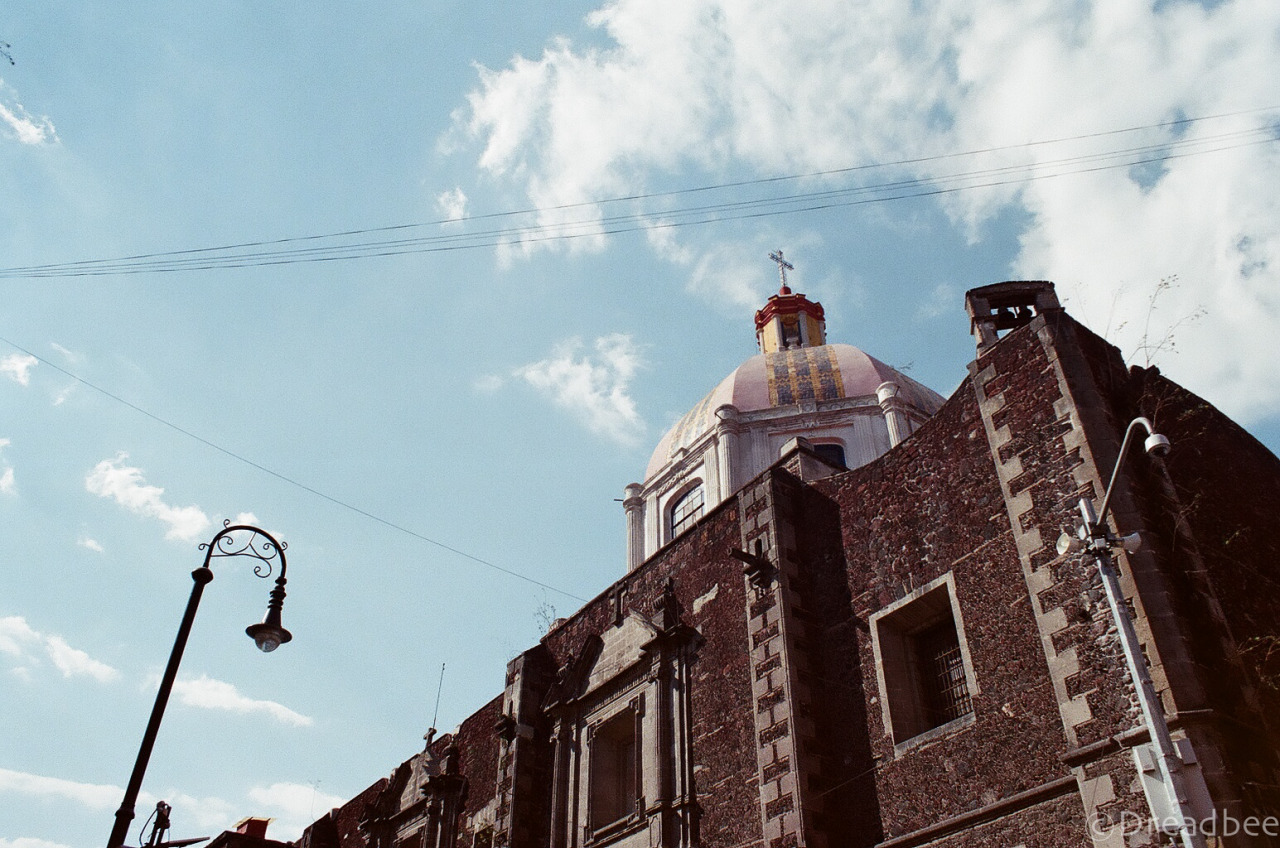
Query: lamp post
(267, 635)
(1094, 536)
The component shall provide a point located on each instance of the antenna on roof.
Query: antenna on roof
(432, 731)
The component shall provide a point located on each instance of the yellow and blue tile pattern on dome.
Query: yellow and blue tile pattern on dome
(692, 425)
(807, 373)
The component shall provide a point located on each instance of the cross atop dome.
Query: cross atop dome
(783, 267)
(789, 320)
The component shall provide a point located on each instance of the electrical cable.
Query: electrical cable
(734, 210)
(616, 224)
(737, 184)
(296, 483)
(272, 253)
(645, 219)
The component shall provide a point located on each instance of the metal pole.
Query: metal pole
(201, 576)
(1100, 541)
(1148, 700)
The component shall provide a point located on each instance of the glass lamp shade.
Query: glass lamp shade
(268, 635)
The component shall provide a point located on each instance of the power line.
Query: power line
(298, 249)
(293, 482)
(705, 188)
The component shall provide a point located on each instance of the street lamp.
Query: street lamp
(1097, 539)
(267, 635)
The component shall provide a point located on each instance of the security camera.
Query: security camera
(1157, 445)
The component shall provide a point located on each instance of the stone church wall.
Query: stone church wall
(709, 587)
(934, 507)
(791, 740)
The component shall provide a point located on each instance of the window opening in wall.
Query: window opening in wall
(831, 453)
(483, 837)
(687, 509)
(615, 778)
(924, 668)
(944, 690)
(791, 332)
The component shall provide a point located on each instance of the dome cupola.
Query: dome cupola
(789, 320)
(849, 406)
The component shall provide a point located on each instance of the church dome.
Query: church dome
(846, 408)
(787, 378)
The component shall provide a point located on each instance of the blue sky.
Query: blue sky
(420, 424)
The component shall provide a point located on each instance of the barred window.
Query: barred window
(943, 688)
(925, 674)
(687, 509)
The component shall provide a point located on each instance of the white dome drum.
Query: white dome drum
(850, 406)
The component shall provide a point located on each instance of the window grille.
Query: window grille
(924, 669)
(686, 510)
(943, 686)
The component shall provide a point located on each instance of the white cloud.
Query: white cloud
(294, 805)
(207, 813)
(488, 383)
(728, 272)
(22, 126)
(28, 647)
(71, 357)
(30, 842)
(593, 387)
(92, 544)
(72, 661)
(194, 812)
(61, 397)
(111, 478)
(17, 367)
(207, 693)
(95, 796)
(7, 486)
(15, 634)
(713, 87)
(938, 302)
(452, 204)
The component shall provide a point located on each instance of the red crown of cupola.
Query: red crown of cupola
(787, 303)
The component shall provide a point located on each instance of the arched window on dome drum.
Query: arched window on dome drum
(831, 452)
(791, 332)
(687, 509)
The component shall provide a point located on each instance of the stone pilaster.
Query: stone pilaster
(786, 748)
(524, 763)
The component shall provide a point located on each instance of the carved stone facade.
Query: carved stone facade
(898, 654)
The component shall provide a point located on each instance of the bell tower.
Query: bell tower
(789, 320)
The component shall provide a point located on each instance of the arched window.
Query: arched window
(686, 509)
(831, 452)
